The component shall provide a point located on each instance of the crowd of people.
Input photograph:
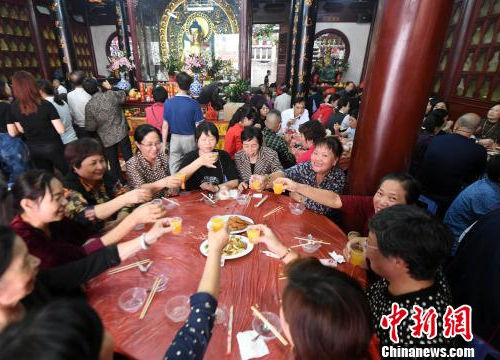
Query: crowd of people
(430, 235)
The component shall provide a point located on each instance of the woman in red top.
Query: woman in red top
(326, 109)
(242, 117)
(56, 240)
(154, 113)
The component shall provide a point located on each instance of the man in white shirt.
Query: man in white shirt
(292, 118)
(283, 101)
(77, 99)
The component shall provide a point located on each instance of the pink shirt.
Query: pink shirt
(154, 115)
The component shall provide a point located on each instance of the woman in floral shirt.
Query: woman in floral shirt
(318, 179)
(93, 196)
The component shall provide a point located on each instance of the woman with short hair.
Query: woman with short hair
(310, 132)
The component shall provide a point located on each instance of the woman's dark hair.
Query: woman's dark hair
(32, 185)
(78, 150)
(142, 130)
(100, 81)
(343, 101)
(3, 93)
(298, 100)
(62, 329)
(410, 185)
(312, 130)
(90, 85)
(160, 94)
(184, 80)
(331, 143)
(434, 119)
(244, 111)
(47, 88)
(207, 128)
(250, 132)
(333, 98)
(7, 238)
(327, 312)
(354, 113)
(412, 234)
(493, 168)
(434, 100)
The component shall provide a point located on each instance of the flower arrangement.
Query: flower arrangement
(173, 64)
(236, 92)
(195, 64)
(120, 62)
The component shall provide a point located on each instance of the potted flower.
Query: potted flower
(122, 64)
(173, 65)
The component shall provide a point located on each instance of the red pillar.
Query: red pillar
(407, 39)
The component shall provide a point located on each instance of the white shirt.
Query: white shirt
(345, 122)
(62, 90)
(77, 99)
(69, 134)
(288, 114)
(283, 102)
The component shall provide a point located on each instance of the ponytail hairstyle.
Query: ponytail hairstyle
(47, 88)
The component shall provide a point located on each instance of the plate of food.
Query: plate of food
(236, 223)
(238, 246)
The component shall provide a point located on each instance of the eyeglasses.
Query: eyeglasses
(150, 145)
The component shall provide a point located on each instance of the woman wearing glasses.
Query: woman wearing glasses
(148, 168)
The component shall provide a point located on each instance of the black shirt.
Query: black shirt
(37, 126)
(451, 163)
(225, 170)
(335, 118)
(5, 116)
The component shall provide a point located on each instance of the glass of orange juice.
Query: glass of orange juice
(357, 254)
(182, 178)
(217, 223)
(176, 223)
(256, 183)
(253, 234)
(278, 188)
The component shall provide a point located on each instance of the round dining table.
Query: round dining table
(255, 279)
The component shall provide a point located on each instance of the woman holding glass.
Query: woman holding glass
(255, 159)
(148, 168)
(208, 168)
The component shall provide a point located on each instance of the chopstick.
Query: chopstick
(171, 201)
(275, 210)
(127, 267)
(156, 284)
(230, 330)
(260, 202)
(312, 240)
(269, 325)
(206, 197)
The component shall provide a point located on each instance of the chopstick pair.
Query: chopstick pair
(156, 284)
(171, 201)
(311, 240)
(209, 199)
(269, 325)
(230, 330)
(273, 211)
(129, 266)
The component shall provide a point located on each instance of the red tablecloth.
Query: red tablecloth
(252, 279)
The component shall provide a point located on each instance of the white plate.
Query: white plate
(226, 218)
(204, 248)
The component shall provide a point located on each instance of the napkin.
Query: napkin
(328, 262)
(251, 349)
(270, 254)
(257, 195)
(337, 257)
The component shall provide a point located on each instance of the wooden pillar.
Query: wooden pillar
(63, 23)
(304, 48)
(122, 26)
(245, 40)
(37, 35)
(290, 55)
(404, 52)
(133, 34)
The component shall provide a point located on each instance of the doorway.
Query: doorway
(265, 39)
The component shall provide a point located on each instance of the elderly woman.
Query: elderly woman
(148, 168)
(94, 197)
(255, 159)
(207, 168)
(316, 181)
(56, 240)
(310, 132)
(25, 286)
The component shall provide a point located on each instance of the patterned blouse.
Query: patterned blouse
(140, 171)
(82, 197)
(192, 339)
(276, 142)
(304, 174)
(267, 163)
